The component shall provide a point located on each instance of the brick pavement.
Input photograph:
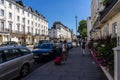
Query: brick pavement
(77, 67)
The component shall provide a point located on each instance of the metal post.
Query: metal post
(76, 25)
(76, 32)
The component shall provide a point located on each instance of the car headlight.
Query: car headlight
(45, 53)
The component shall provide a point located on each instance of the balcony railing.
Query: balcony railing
(107, 8)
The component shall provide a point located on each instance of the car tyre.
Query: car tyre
(25, 70)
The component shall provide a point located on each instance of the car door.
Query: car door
(3, 68)
(11, 64)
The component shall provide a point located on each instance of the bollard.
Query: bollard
(117, 63)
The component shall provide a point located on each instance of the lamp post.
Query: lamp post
(76, 24)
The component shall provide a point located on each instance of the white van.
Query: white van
(14, 61)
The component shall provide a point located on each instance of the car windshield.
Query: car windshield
(44, 41)
(45, 46)
(4, 43)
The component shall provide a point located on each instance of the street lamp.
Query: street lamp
(76, 24)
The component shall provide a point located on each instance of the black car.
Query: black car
(41, 42)
(44, 52)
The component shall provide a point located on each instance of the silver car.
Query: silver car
(14, 61)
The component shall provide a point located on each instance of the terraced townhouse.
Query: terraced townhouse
(105, 16)
(21, 23)
(60, 32)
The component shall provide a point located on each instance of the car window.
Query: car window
(11, 53)
(1, 57)
(25, 50)
(46, 46)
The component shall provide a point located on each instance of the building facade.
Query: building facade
(61, 32)
(21, 23)
(108, 20)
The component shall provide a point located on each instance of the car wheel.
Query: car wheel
(25, 70)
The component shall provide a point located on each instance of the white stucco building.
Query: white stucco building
(89, 27)
(60, 31)
(21, 23)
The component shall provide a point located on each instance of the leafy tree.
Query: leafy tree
(82, 28)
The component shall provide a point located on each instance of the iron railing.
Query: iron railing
(107, 8)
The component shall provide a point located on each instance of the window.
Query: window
(2, 26)
(23, 29)
(28, 21)
(39, 31)
(18, 28)
(23, 20)
(32, 30)
(2, 12)
(24, 51)
(23, 11)
(28, 14)
(2, 1)
(36, 31)
(10, 5)
(36, 17)
(11, 54)
(18, 9)
(10, 27)
(114, 29)
(18, 18)
(28, 29)
(1, 57)
(38, 25)
(10, 15)
(32, 22)
(31, 16)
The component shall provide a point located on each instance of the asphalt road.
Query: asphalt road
(34, 67)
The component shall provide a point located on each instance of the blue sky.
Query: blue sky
(62, 10)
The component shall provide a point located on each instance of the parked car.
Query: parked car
(44, 41)
(41, 42)
(15, 61)
(45, 51)
(69, 44)
(9, 43)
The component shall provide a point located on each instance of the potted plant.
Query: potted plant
(105, 2)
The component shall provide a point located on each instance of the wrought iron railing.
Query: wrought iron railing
(107, 8)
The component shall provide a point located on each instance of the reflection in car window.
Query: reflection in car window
(11, 53)
(46, 46)
(25, 51)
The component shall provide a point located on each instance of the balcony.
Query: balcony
(2, 29)
(37, 34)
(109, 10)
(29, 33)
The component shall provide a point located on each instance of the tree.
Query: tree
(82, 28)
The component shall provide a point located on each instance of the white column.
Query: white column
(117, 63)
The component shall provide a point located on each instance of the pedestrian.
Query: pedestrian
(80, 43)
(83, 47)
(64, 51)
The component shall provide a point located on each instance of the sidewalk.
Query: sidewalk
(77, 67)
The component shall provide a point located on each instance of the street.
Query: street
(77, 67)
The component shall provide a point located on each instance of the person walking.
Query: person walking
(64, 51)
(83, 47)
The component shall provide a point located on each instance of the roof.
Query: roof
(10, 47)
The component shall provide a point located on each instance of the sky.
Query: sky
(62, 10)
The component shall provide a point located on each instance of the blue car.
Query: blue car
(44, 52)
(69, 45)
